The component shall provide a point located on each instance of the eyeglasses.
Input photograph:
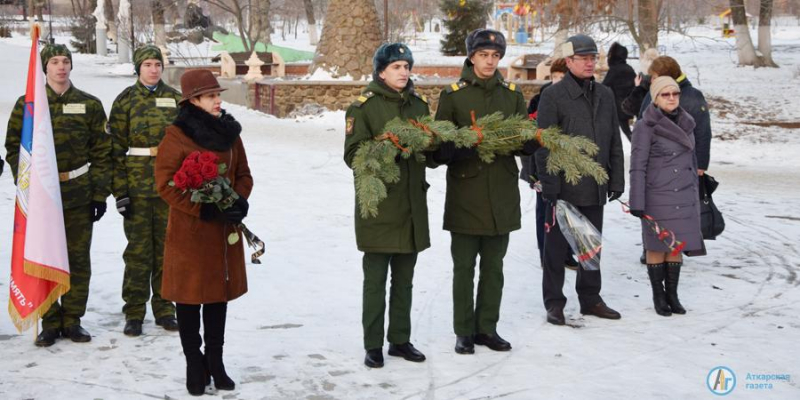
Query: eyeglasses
(585, 59)
(675, 95)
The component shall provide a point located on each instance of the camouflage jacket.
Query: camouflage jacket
(137, 120)
(78, 122)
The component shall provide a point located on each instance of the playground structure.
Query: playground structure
(517, 18)
(726, 20)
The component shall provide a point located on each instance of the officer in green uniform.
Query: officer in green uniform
(482, 202)
(400, 231)
(83, 155)
(136, 124)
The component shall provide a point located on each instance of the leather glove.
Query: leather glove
(530, 147)
(637, 213)
(444, 153)
(613, 196)
(551, 198)
(98, 210)
(124, 206)
(236, 212)
(208, 211)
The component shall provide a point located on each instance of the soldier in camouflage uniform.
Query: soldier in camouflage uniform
(83, 155)
(136, 123)
(482, 202)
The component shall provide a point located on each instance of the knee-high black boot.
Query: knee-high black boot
(214, 331)
(656, 273)
(673, 273)
(189, 330)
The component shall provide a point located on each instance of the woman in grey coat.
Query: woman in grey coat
(664, 186)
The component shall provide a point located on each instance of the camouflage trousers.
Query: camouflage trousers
(71, 307)
(144, 258)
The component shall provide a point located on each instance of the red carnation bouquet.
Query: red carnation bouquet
(203, 176)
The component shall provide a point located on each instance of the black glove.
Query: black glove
(530, 147)
(237, 211)
(124, 206)
(637, 213)
(98, 210)
(444, 153)
(550, 197)
(209, 211)
(613, 195)
(2, 165)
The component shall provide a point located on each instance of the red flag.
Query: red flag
(39, 261)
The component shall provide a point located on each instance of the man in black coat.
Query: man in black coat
(580, 107)
(620, 79)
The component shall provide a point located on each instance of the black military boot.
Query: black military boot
(374, 358)
(77, 334)
(656, 273)
(189, 317)
(492, 341)
(407, 351)
(168, 323)
(673, 273)
(214, 331)
(133, 327)
(47, 337)
(465, 345)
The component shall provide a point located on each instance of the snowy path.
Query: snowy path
(297, 333)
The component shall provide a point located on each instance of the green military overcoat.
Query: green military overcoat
(402, 222)
(482, 199)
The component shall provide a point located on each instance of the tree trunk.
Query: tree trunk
(648, 23)
(349, 38)
(111, 20)
(744, 44)
(264, 25)
(564, 12)
(313, 38)
(764, 33)
(159, 29)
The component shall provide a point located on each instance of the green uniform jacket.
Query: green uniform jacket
(137, 119)
(80, 137)
(402, 222)
(482, 199)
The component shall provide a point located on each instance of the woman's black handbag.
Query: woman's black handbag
(711, 221)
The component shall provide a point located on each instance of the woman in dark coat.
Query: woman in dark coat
(663, 176)
(392, 239)
(201, 268)
(620, 79)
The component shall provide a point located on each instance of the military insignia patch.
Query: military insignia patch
(348, 128)
(491, 37)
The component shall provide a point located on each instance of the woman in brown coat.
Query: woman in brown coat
(200, 267)
(664, 186)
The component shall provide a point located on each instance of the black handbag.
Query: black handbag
(711, 222)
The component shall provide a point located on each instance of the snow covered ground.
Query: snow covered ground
(297, 333)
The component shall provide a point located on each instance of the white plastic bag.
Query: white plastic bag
(585, 240)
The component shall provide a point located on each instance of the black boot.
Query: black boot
(656, 273)
(673, 273)
(189, 322)
(214, 331)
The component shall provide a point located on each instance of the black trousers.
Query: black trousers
(556, 250)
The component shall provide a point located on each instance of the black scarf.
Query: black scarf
(208, 131)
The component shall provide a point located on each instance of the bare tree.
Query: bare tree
(312, 22)
(648, 23)
(251, 17)
(764, 33)
(349, 38)
(158, 7)
(744, 44)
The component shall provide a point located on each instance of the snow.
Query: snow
(297, 333)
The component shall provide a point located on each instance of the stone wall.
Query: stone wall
(280, 98)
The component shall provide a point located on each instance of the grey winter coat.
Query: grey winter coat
(588, 111)
(664, 177)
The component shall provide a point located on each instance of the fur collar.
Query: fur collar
(208, 131)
